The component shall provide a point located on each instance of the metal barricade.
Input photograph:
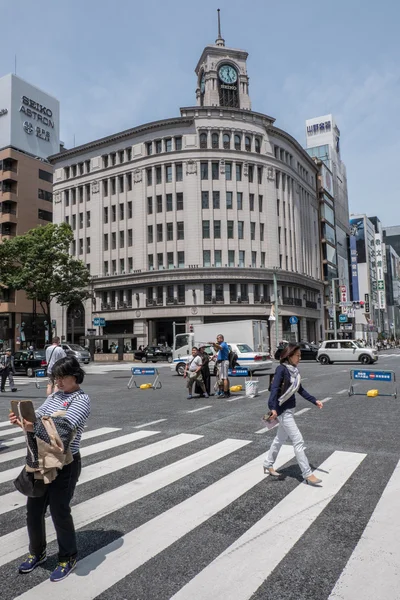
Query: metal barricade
(140, 372)
(40, 375)
(372, 377)
(238, 372)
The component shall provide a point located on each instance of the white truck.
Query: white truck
(248, 338)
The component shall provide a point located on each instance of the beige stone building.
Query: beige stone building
(186, 220)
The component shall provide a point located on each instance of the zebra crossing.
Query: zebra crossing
(189, 482)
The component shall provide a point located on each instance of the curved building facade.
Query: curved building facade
(189, 219)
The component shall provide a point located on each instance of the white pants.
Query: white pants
(288, 429)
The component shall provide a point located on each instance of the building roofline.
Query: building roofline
(239, 111)
(118, 136)
(293, 140)
(223, 51)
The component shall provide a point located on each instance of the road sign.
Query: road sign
(143, 371)
(373, 375)
(293, 328)
(239, 372)
(99, 322)
(349, 304)
(381, 284)
(342, 318)
(293, 320)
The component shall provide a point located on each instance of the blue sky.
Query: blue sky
(116, 65)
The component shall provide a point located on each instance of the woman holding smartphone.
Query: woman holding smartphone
(70, 398)
(282, 402)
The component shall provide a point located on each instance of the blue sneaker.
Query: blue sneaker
(32, 562)
(63, 569)
(190, 397)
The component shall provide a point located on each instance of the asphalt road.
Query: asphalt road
(173, 503)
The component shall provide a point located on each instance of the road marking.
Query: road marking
(15, 500)
(304, 378)
(156, 535)
(233, 398)
(15, 429)
(373, 568)
(303, 410)
(5, 423)
(148, 424)
(343, 391)
(326, 399)
(240, 570)
(15, 543)
(198, 409)
(4, 444)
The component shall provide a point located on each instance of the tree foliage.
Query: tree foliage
(38, 262)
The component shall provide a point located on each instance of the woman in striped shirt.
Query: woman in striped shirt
(68, 376)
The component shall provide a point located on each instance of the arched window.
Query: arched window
(227, 140)
(238, 142)
(203, 140)
(215, 140)
(247, 143)
(257, 145)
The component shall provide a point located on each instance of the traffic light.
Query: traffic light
(358, 304)
(191, 328)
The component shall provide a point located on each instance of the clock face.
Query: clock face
(227, 74)
(202, 84)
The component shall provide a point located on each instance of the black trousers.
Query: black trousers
(58, 497)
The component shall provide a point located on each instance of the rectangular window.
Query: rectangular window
(251, 173)
(74, 247)
(241, 258)
(80, 220)
(168, 173)
(149, 234)
(88, 218)
(206, 258)
(169, 203)
(105, 269)
(261, 232)
(207, 292)
(238, 172)
(230, 230)
(239, 197)
(105, 242)
(204, 170)
(130, 264)
(121, 270)
(149, 206)
(81, 246)
(105, 187)
(170, 231)
(105, 162)
(252, 231)
(231, 258)
(277, 179)
(114, 272)
(113, 240)
(179, 172)
(206, 230)
(128, 154)
(130, 237)
(260, 203)
(233, 292)
(244, 294)
(158, 175)
(129, 210)
(46, 176)
(181, 259)
(204, 200)
(217, 258)
(178, 143)
(129, 182)
(42, 194)
(215, 199)
(180, 230)
(87, 191)
(215, 170)
(66, 172)
(160, 260)
(73, 196)
(179, 201)
(113, 213)
(256, 292)
(67, 219)
(80, 192)
(228, 171)
(149, 148)
(251, 201)
(219, 292)
(159, 203)
(217, 230)
(150, 261)
(105, 214)
(159, 232)
(240, 230)
(170, 260)
(254, 259)
(260, 174)
(122, 239)
(73, 170)
(113, 158)
(74, 222)
(66, 197)
(113, 186)
(263, 260)
(229, 200)
(158, 146)
(181, 293)
(121, 212)
(149, 176)
(121, 184)
(168, 144)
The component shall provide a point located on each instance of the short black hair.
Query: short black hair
(68, 366)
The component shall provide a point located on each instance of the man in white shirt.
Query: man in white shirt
(193, 369)
(53, 354)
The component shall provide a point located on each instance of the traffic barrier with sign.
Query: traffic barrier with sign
(141, 372)
(372, 377)
(239, 372)
(40, 377)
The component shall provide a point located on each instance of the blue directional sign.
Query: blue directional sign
(143, 371)
(342, 318)
(293, 320)
(40, 372)
(241, 372)
(373, 375)
(99, 322)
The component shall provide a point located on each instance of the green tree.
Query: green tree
(38, 262)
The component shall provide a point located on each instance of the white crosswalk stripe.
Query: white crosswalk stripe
(241, 565)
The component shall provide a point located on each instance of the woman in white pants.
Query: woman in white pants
(282, 403)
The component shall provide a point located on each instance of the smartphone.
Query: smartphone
(26, 408)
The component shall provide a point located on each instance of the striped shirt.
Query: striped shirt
(77, 405)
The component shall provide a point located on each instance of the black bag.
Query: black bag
(285, 385)
(29, 486)
(233, 359)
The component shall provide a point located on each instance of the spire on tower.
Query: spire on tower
(220, 40)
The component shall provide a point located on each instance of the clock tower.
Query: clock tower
(222, 78)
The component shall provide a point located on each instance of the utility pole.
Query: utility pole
(334, 308)
(276, 306)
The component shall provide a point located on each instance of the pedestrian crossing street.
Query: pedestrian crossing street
(21, 380)
(149, 501)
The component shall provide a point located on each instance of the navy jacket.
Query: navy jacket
(282, 374)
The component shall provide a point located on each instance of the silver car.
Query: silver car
(81, 354)
(345, 351)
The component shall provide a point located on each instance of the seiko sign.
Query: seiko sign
(37, 111)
